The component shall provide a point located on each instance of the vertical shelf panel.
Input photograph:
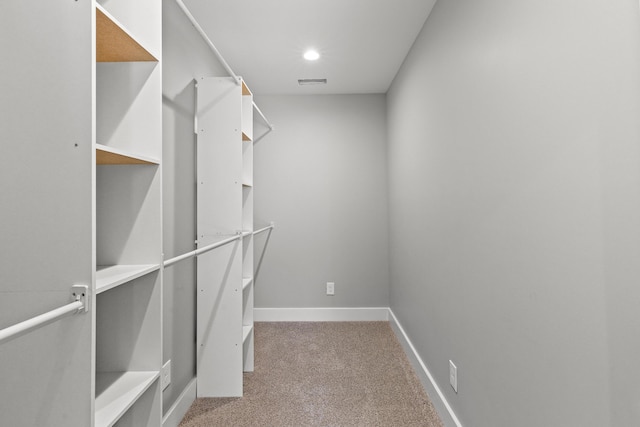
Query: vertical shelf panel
(219, 212)
(219, 322)
(46, 171)
(247, 225)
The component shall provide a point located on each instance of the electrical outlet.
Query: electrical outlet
(331, 288)
(166, 374)
(453, 376)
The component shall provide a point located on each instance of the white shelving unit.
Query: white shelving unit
(128, 152)
(97, 176)
(87, 98)
(225, 208)
(247, 226)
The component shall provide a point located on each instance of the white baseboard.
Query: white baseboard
(176, 413)
(329, 314)
(438, 399)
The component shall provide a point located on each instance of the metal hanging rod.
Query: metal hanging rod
(269, 227)
(206, 39)
(201, 251)
(80, 294)
(263, 116)
(217, 53)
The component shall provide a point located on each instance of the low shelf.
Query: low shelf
(116, 392)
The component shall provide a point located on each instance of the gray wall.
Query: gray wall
(321, 176)
(185, 57)
(514, 173)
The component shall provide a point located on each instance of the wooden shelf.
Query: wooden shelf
(110, 276)
(118, 391)
(246, 282)
(245, 137)
(112, 156)
(247, 184)
(246, 331)
(114, 43)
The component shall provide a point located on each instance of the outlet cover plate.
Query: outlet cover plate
(453, 376)
(331, 288)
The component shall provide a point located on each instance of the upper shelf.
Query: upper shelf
(114, 43)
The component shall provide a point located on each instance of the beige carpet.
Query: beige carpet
(323, 374)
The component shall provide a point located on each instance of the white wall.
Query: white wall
(514, 174)
(185, 57)
(321, 177)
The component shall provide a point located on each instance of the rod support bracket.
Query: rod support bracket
(81, 293)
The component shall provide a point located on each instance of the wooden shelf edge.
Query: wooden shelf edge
(111, 276)
(245, 137)
(245, 89)
(112, 156)
(114, 43)
(116, 392)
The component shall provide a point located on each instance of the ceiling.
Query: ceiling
(362, 43)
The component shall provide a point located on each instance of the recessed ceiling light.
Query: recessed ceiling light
(311, 55)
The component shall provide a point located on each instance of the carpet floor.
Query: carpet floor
(323, 374)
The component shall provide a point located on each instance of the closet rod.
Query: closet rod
(263, 116)
(217, 53)
(201, 251)
(206, 39)
(80, 293)
(269, 227)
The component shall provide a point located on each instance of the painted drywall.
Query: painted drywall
(321, 177)
(514, 181)
(185, 57)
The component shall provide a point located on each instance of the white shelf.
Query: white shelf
(246, 282)
(118, 391)
(247, 184)
(112, 156)
(110, 276)
(246, 331)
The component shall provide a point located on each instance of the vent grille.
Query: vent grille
(303, 82)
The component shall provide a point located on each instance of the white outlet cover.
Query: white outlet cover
(331, 288)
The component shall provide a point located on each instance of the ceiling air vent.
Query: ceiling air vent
(303, 82)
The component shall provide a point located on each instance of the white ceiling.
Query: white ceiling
(362, 42)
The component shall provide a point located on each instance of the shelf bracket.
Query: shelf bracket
(81, 293)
